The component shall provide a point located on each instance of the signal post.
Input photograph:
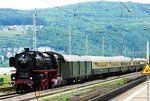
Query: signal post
(146, 70)
(37, 94)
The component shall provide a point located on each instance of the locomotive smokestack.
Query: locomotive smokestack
(26, 49)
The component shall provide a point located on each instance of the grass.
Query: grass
(7, 79)
(120, 82)
(77, 93)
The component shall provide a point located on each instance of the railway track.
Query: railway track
(6, 89)
(7, 92)
(6, 96)
(72, 88)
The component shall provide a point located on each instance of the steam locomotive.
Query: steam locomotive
(43, 70)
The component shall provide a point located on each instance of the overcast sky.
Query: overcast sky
(31, 4)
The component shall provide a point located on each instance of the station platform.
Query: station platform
(138, 93)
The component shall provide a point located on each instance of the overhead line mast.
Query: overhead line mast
(86, 44)
(34, 33)
(69, 39)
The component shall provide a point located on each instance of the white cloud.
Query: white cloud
(31, 4)
(136, 1)
(22, 4)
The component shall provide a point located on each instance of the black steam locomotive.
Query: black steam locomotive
(42, 70)
(35, 70)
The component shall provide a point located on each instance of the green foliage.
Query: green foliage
(7, 79)
(4, 64)
(124, 32)
(17, 17)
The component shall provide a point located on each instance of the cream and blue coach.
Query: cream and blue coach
(105, 65)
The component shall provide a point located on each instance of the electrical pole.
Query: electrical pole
(116, 51)
(86, 44)
(110, 50)
(103, 47)
(147, 52)
(34, 33)
(147, 47)
(124, 50)
(69, 41)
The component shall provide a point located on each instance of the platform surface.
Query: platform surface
(138, 93)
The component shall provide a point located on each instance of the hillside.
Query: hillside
(124, 31)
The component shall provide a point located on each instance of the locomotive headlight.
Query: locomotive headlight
(13, 78)
(31, 78)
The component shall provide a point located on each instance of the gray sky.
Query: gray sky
(31, 4)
